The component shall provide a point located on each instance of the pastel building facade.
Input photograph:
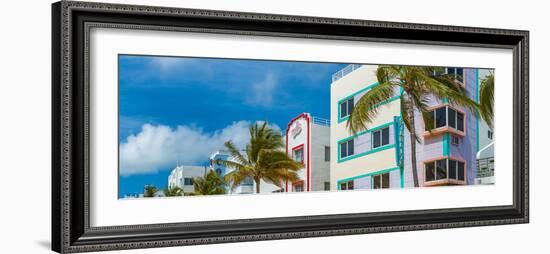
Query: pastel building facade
(182, 177)
(307, 141)
(248, 186)
(381, 156)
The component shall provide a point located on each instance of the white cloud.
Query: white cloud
(159, 146)
(263, 91)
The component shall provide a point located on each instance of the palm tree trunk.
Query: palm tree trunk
(257, 180)
(413, 141)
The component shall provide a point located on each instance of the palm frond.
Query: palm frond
(486, 99)
(235, 153)
(367, 108)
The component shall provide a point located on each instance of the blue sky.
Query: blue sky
(177, 110)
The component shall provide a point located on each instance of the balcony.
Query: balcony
(345, 71)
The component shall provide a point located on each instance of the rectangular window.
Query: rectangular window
(455, 140)
(187, 181)
(440, 117)
(327, 186)
(429, 171)
(458, 73)
(460, 121)
(441, 169)
(346, 107)
(452, 169)
(381, 181)
(299, 187)
(381, 137)
(299, 155)
(489, 134)
(452, 118)
(346, 186)
(444, 169)
(460, 171)
(346, 148)
(327, 153)
(448, 117)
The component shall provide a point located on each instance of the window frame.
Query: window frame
(381, 132)
(436, 180)
(382, 182)
(347, 107)
(447, 125)
(347, 144)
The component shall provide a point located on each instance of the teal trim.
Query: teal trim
(378, 149)
(375, 150)
(396, 138)
(446, 144)
(365, 175)
(342, 119)
(477, 118)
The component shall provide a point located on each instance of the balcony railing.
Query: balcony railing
(485, 167)
(321, 121)
(345, 71)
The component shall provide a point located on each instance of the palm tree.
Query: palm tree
(263, 159)
(418, 84)
(150, 191)
(486, 99)
(210, 184)
(173, 191)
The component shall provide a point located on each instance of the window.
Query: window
(346, 148)
(381, 181)
(444, 169)
(327, 153)
(489, 134)
(327, 186)
(346, 185)
(381, 137)
(458, 73)
(440, 117)
(298, 187)
(346, 107)
(247, 181)
(448, 117)
(187, 181)
(299, 155)
(455, 140)
(219, 172)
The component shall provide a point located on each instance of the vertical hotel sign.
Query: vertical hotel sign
(296, 130)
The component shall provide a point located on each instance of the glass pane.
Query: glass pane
(350, 147)
(350, 185)
(429, 171)
(343, 109)
(459, 74)
(375, 139)
(350, 106)
(385, 136)
(343, 186)
(343, 150)
(450, 70)
(460, 171)
(376, 180)
(440, 117)
(386, 180)
(327, 153)
(452, 118)
(441, 169)
(459, 121)
(452, 169)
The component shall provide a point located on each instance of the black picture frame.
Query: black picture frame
(71, 231)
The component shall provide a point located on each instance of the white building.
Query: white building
(182, 176)
(308, 142)
(246, 187)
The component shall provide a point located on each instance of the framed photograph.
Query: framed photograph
(181, 126)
